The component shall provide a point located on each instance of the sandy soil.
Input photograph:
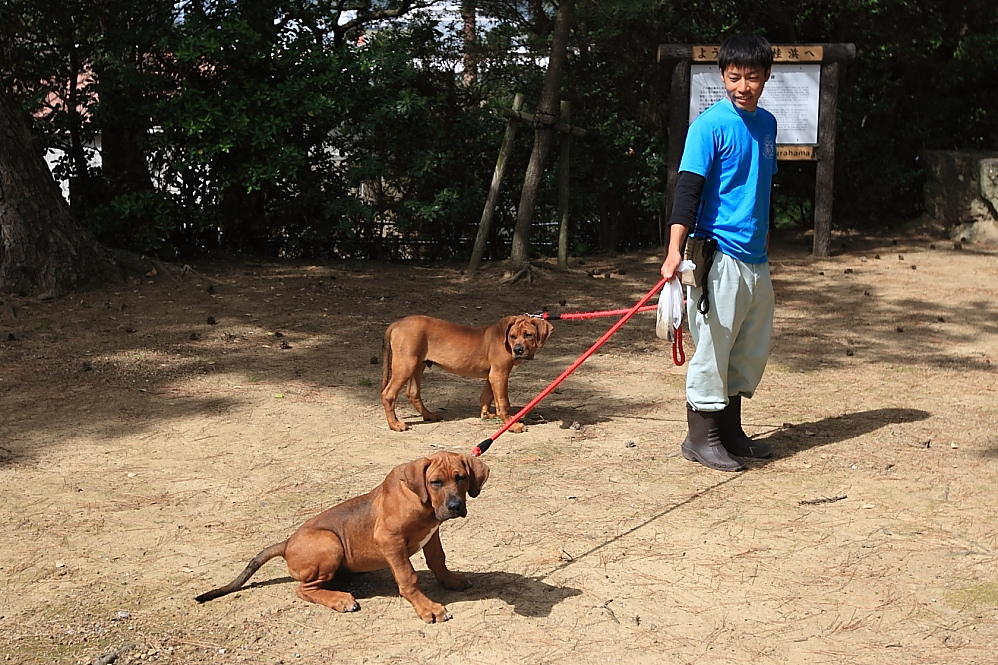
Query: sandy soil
(154, 437)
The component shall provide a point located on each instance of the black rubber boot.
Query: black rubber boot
(733, 437)
(703, 443)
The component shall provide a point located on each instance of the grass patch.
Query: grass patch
(974, 598)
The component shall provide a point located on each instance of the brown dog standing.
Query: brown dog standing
(491, 352)
(380, 529)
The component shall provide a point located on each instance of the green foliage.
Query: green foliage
(920, 80)
(263, 127)
(247, 134)
(793, 195)
(143, 221)
(416, 144)
(620, 97)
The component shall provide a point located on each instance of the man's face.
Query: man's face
(744, 85)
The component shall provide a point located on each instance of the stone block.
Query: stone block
(961, 193)
(988, 177)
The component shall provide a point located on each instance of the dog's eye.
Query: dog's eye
(437, 483)
(460, 479)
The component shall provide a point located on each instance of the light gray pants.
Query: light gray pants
(733, 340)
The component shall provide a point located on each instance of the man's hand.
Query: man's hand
(677, 235)
(672, 260)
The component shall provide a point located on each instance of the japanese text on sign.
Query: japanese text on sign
(791, 94)
(795, 53)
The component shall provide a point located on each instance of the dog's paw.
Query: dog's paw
(338, 601)
(434, 613)
(517, 428)
(455, 582)
(398, 427)
(344, 602)
(350, 607)
(432, 417)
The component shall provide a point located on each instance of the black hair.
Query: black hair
(745, 50)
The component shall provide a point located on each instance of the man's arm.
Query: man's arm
(689, 187)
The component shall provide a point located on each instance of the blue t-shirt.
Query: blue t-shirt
(735, 151)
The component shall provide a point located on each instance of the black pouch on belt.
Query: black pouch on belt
(700, 250)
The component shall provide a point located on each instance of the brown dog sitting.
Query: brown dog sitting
(380, 529)
(491, 352)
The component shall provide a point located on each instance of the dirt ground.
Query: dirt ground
(154, 437)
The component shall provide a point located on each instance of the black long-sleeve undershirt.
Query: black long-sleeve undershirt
(686, 203)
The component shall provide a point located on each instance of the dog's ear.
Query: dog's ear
(414, 475)
(507, 322)
(478, 473)
(544, 330)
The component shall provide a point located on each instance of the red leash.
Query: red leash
(590, 315)
(484, 445)
(678, 352)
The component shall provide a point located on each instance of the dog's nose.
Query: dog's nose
(518, 350)
(457, 507)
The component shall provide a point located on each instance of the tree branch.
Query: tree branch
(363, 18)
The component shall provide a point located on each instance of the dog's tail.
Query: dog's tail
(253, 566)
(386, 357)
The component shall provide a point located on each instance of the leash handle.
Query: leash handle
(678, 352)
(482, 447)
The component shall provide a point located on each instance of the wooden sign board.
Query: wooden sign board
(781, 53)
(799, 153)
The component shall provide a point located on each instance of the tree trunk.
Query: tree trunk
(83, 193)
(544, 119)
(123, 133)
(608, 223)
(492, 200)
(44, 251)
(469, 35)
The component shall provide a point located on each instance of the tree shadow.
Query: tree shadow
(853, 319)
(67, 362)
(564, 416)
(789, 440)
(103, 418)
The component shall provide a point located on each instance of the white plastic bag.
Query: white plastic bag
(670, 305)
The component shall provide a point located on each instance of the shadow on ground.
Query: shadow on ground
(529, 596)
(792, 439)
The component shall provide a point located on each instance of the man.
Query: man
(723, 192)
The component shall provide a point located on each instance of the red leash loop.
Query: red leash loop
(678, 352)
(484, 445)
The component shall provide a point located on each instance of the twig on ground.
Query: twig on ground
(824, 499)
(112, 656)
